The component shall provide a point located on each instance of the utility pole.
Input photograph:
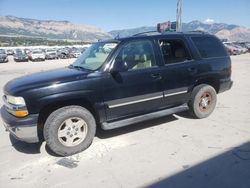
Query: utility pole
(178, 16)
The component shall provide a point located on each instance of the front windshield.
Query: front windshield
(94, 57)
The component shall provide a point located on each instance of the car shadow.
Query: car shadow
(227, 170)
(30, 148)
(103, 134)
(23, 147)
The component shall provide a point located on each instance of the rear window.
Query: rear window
(209, 47)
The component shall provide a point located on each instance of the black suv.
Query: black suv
(116, 83)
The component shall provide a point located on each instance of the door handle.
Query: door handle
(156, 76)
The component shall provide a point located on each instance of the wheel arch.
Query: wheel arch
(214, 82)
(51, 107)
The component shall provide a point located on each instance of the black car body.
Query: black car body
(19, 56)
(139, 78)
(3, 56)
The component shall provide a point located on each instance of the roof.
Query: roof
(157, 34)
(154, 33)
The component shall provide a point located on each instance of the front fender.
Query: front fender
(40, 103)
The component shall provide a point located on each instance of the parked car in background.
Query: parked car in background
(3, 56)
(26, 51)
(245, 45)
(51, 54)
(242, 50)
(20, 56)
(231, 49)
(75, 53)
(18, 50)
(63, 53)
(37, 55)
(235, 48)
(10, 52)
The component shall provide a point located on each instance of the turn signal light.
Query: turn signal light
(21, 113)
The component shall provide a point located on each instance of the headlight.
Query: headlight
(16, 106)
(19, 101)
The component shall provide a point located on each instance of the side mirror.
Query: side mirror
(119, 66)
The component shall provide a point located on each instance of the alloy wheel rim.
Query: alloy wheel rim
(72, 132)
(205, 101)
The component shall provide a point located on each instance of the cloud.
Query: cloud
(209, 21)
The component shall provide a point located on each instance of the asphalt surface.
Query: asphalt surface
(174, 151)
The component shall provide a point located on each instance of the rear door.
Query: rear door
(179, 70)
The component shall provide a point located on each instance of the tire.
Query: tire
(203, 101)
(61, 135)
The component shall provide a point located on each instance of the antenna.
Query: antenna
(178, 16)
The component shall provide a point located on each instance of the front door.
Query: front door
(137, 90)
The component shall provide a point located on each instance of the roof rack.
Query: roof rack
(145, 33)
(198, 31)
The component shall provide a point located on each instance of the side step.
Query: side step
(144, 117)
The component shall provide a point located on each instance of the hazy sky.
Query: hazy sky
(115, 14)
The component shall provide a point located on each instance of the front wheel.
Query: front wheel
(69, 130)
(203, 101)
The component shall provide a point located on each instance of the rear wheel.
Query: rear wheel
(69, 130)
(203, 101)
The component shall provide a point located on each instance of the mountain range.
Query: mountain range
(223, 31)
(49, 29)
(65, 30)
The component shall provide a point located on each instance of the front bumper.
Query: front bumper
(24, 129)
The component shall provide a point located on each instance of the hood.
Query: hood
(42, 79)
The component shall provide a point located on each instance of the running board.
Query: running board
(145, 117)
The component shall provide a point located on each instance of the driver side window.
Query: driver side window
(137, 55)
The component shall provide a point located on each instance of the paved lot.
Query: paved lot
(173, 151)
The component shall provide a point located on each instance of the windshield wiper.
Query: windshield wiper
(78, 67)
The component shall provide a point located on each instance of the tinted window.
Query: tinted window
(137, 55)
(209, 47)
(173, 51)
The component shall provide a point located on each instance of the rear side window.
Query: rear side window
(209, 47)
(173, 51)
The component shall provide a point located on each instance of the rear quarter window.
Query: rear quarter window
(209, 47)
